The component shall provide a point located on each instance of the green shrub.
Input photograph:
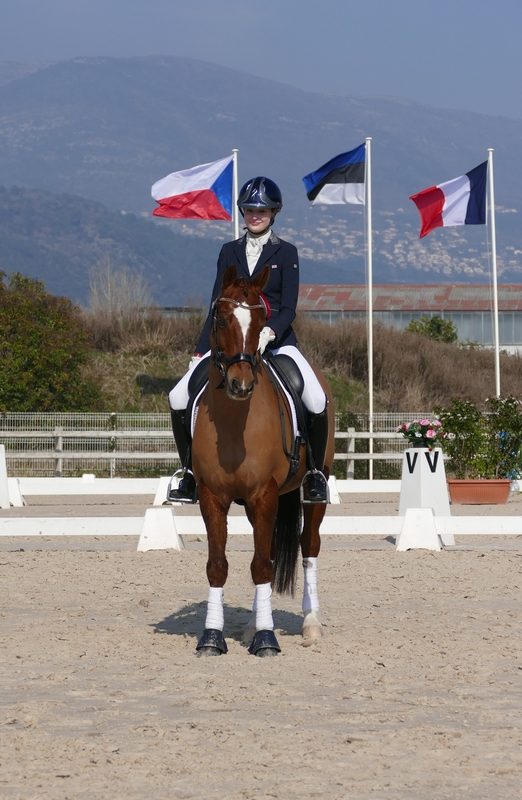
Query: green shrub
(43, 346)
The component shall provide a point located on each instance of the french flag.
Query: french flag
(202, 192)
(461, 201)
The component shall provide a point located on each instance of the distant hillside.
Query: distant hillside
(105, 129)
(60, 238)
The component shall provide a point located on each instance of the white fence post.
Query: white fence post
(4, 486)
(350, 448)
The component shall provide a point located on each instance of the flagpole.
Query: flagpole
(235, 210)
(369, 269)
(491, 198)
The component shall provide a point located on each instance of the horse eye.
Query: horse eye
(221, 322)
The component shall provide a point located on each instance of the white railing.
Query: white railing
(64, 452)
(110, 444)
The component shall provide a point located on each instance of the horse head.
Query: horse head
(239, 315)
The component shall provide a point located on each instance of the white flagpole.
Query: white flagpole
(235, 210)
(491, 215)
(368, 203)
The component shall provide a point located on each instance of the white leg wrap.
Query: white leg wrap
(215, 618)
(263, 607)
(310, 596)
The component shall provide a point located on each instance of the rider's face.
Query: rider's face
(257, 220)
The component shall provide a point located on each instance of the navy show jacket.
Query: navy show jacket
(281, 291)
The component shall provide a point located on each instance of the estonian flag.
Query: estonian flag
(461, 201)
(341, 180)
(202, 192)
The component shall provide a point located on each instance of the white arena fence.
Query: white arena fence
(415, 527)
(131, 445)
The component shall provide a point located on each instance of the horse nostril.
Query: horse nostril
(240, 389)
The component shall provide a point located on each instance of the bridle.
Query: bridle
(223, 362)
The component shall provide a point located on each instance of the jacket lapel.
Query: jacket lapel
(268, 251)
(240, 255)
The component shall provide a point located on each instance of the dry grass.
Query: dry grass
(410, 372)
(141, 355)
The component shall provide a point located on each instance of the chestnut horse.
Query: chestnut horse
(242, 441)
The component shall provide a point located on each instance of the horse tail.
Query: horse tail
(287, 536)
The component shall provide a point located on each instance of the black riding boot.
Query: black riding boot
(315, 484)
(186, 491)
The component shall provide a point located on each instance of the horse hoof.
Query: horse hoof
(311, 634)
(268, 652)
(312, 630)
(212, 643)
(204, 652)
(264, 644)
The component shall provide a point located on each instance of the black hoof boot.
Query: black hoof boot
(264, 644)
(212, 643)
(186, 490)
(314, 488)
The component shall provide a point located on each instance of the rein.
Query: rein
(223, 362)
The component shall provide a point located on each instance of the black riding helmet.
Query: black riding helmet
(260, 193)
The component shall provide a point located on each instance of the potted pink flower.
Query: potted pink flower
(423, 432)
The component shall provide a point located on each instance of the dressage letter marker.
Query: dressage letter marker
(423, 484)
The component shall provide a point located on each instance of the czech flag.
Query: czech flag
(203, 192)
(340, 180)
(461, 201)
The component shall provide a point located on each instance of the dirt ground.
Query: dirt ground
(414, 692)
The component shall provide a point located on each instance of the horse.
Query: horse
(242, 443)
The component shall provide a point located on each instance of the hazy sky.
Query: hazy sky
(462, 54)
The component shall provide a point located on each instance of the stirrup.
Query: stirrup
(179, 493)
(319, 491)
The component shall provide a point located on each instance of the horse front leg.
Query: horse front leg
(214, 513)
(262, 515)
(310, 547)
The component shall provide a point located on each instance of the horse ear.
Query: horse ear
(261, 280)
(229, 276)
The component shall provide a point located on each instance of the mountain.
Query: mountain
(63, 239)
(105, 129)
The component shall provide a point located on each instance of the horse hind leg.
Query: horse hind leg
(310, 546)
(312, 629)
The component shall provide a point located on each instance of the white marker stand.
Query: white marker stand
(15, 494)
(334, 494)
(159, 531)
(418, 531)
(161, 491)
(4, 486)
(423, 484)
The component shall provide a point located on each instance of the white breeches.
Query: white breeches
(179, 395)
(314, 397)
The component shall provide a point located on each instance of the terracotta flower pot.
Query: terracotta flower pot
(480, 491)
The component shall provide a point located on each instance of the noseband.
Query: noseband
(223, 362)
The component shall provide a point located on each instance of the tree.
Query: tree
(43, 346)
(434, 328)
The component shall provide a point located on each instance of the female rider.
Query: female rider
(259, 201)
